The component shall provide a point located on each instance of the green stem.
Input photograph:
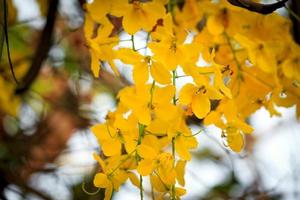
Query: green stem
(151, 94)
(87, 192)
(152, 192)
(141, 187)
(174, 83)
(169, 6)
(173, 196)
(141, 134)
(132, 42)
(193, 135)
(182, 76)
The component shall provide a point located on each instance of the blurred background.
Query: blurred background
(45, 143)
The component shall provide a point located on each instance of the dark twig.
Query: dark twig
(42, 49)
(7, 42)
(295, 8)
(258, 7)
(1, 29)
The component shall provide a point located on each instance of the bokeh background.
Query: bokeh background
(45, 143)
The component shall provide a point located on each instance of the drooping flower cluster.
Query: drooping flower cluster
(251, 62)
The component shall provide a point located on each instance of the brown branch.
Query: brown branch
(295, 7)
(42, 49)
(258, 7)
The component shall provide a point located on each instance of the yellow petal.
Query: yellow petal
(157, 184)
(214, 25)
(246, 128)
(128, 56)
(152, 12)
(111, 147)
(100, 161)
(119, 7)
(145, 167)
(213, 93)
(167, 175)
(229, 108)
(140, 73)
(158, 127)
(119, 177)
(114, 67)
(186, 94)
(235, 141)
(98, 9)
(95, 64)
(180, 171)
(160, 73)
(146, 151)
(200, 105)
(166, 112)
(180, 192)
(103, 131)
(130, 21)
(130, 143)
(163, 95)
(108, 191)
(181, 148)
(143, 115)
(266, 60)
(88, 27)
(134, 179)
(191, 142)
(101, 180)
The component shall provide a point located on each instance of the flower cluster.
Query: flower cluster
(250, 62)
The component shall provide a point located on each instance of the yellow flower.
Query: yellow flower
(141, 65)
(98, 9)
(168, 47)
(141, 15)
(233, 128)
(180, 171)
(108, 137)
(177, 129)
(148, 151)
(145, 105)
(101, 44)
(201, 75)
(111, 177)
(170, 126)
(198, 98)
(183, 144)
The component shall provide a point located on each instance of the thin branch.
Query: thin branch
(258, 7)
(7, 41)
(42, 49)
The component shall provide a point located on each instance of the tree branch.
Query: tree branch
(295, 7)
(258, 7)
(42, 49)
